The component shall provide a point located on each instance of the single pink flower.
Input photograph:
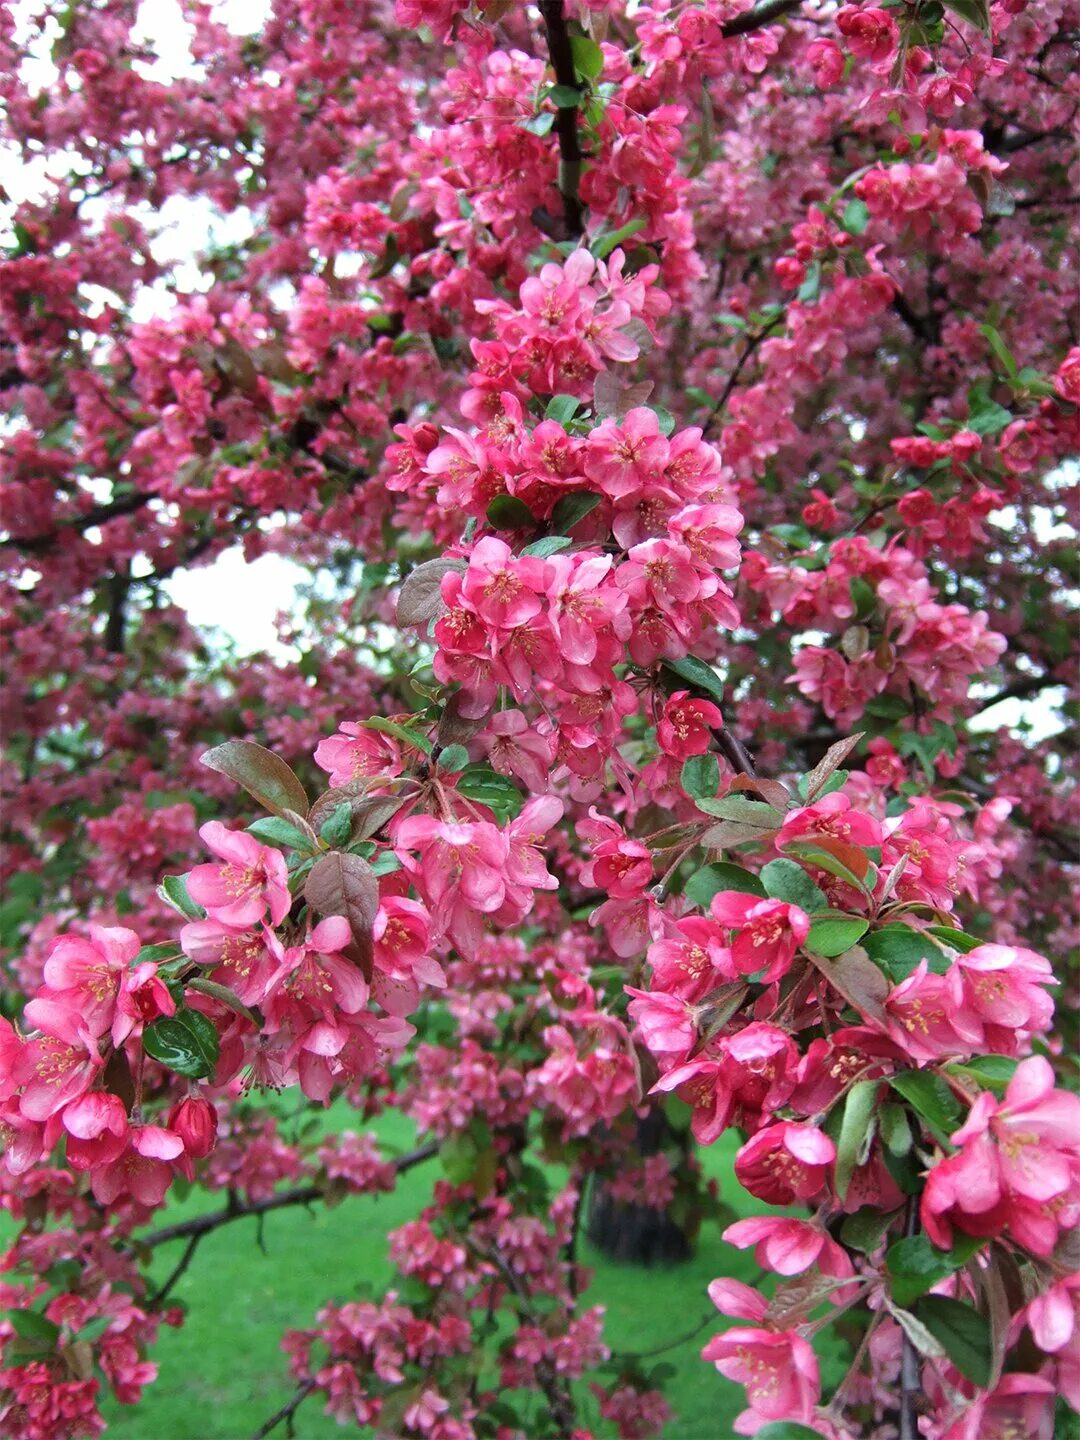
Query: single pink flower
(253, 882)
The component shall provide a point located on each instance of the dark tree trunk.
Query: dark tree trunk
(637, 1233)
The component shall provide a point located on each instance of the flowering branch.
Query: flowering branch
(300, 1195)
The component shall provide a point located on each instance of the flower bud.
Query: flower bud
(195, 1121)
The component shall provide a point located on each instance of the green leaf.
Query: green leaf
(787, 1430)
(866, 1229)
(1002, 353)
(32, 1325)
(157, 953)
(508, 512)
(697, 675)
(666, 419)
(962, 1332)
(173, 890)
(787, 880)
(987, 417)
(930, 1098)
(810, 288)
(223, 995)
(863, 597)
(573, 507)
(549, 545)
(539, 124)
(261, 773)
(824, 860)
(407, 737)
(898, 949)
(336, 829)
(993, 1072)
(603, 245)
(453, 758)
(955, 939)
(975, 12)
(488, 787)
(561, 408)
(64, 1274)
(710, 880)
(566, 97)
(834, 933)
(856, 217)
(743, 811)
(856, 1133)
(588, 57)
(701, 776)
(894, 1129)
(914, 1265)
(272, 830)
(186, 1042)
(887, 707)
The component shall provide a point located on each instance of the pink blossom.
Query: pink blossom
(785, 1162)
(769, 932)
(789, 1246)
(685, 727)
(252, 883)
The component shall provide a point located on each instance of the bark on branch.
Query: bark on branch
(759, 16)
(299, 1195)
(566, 119)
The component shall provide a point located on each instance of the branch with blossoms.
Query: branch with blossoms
(544, 884)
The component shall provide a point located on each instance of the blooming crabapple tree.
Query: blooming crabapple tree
(677, 403)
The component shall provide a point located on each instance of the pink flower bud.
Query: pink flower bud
(195, 1121)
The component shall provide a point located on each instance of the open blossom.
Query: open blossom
(785, 1162)
(686, 725)
(252, 883)
(789, 1246)
(997, 992)
(778, 1367)
(691, 959)
(144, 1169)
(620, 866)
(84, 974)
(356, 752)
(1018, 1165)
(769, 932)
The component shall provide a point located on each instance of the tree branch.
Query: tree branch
(300, 1195)
(910, 1381)
(558, 1393)
(566, 120)
(287, 1410)
(756, 18)
(1019, 689)
(96, 515)
(160, 1295)
(751, 345)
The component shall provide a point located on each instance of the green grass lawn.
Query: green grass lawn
(223, 1373)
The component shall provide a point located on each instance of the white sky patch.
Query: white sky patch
(240, 599)
(1039, 714)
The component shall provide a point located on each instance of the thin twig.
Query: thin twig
(159, 1296)
(670, 1345)
(287, 1410)
(301, 1195)
(751, 345)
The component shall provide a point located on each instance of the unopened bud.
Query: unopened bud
(195, 1121)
